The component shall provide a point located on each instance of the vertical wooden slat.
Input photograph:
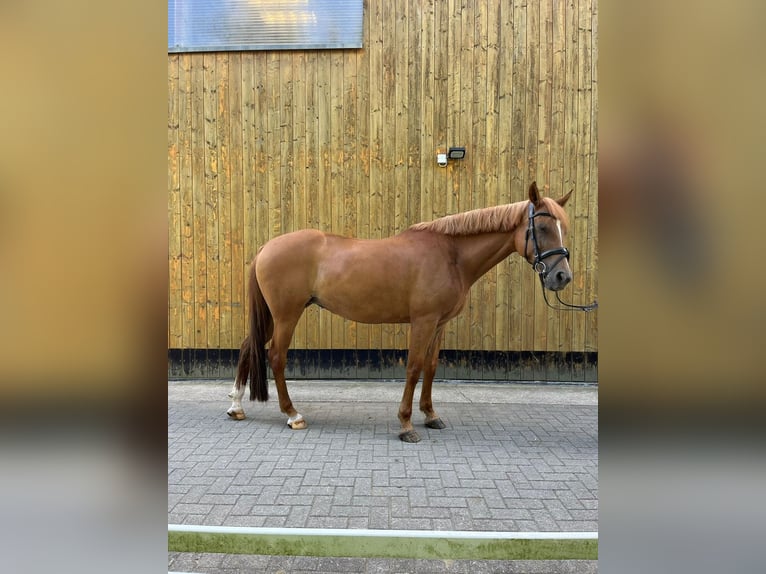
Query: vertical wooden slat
(224, 201)
(285, 156)
(199, 215)
(211, 297)
(591, 283)
(238, 223)
(185, 83)
(427, 86)
(545, 95)
(175, 310)
(580, 209)
(261, 149)
(273, 142)
(440, 117)
(414, 114)
(348, 151)
(249, 198)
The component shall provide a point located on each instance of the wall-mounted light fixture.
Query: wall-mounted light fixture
(456, 153)
(453, 153)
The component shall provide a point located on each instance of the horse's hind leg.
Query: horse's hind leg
(283, 334)
(235, 410)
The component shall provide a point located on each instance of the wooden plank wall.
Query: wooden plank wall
(263, 143)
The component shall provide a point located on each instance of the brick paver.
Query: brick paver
(501, 466)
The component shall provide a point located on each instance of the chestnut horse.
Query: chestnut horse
(421, 276)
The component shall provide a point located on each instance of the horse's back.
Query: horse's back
(302, 240)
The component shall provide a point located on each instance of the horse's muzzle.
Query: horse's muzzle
(557, 280)
(556, 277)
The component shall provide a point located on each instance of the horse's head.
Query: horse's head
(540, 239)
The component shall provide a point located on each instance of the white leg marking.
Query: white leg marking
(296, 419)
(235, 410)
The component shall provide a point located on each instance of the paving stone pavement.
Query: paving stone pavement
(512, 458)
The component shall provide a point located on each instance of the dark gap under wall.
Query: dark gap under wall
(510, 366)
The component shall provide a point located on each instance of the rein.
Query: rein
(540, 266)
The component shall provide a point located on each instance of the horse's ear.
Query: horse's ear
(564, 199)
(534, 194)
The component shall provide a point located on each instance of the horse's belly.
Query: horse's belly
(363, 306)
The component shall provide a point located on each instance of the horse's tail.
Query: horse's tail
(252, 357)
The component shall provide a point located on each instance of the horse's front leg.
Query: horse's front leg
(407, 432)
(421, 338)
(433, 420)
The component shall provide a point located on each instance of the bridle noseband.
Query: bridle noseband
(541, 268)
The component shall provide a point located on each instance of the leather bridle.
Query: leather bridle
(541, 267)
(538, 264)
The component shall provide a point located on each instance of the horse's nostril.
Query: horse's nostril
(563, 278)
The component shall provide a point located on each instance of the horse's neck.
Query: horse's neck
(477, 254)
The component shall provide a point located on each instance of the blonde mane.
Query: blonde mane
(502, 218)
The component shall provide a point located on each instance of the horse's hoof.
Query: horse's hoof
(236, 415)
(300, 424)
(409, 436)
(436, 423)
